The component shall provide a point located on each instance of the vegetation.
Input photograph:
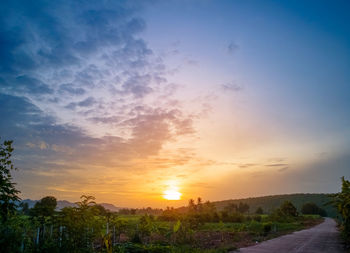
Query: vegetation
(312, 208)
(89, 227)
(270, 203)
(8, 192)
(342, 202)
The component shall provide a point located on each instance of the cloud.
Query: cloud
(43, 143)
(82, 91)
(282, 169)
(232, 47)
(247, 165)
(105, 120)
(276, 165)
(83, 56)
(231, 87)
(88, 102)
(68, 88)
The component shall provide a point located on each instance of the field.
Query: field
(225, 236)
(90, 228)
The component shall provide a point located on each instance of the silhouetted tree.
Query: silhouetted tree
(45, 207)
(342, 202)
(191, 205)
(8, 192)
(86, 202)
(259, 210)
(288, 209)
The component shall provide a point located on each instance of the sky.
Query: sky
(130, 100)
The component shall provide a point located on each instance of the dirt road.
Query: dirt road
(323, 238)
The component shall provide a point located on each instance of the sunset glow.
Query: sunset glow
(140, 102)
(172, 195)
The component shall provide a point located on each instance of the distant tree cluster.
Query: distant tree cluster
(198, 212)
(269, 203)
(312, 208)
(140, 211)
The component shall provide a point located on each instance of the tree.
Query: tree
(86, 202)
(8, 192)
(24, 208)
(259, 210)
(342, 202)
(243, 207)
(230, 208)
(312, 208)
(45, 207)
(288, 209)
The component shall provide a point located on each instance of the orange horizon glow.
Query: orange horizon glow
(172, 192)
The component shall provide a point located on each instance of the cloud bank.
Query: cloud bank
(80, 88)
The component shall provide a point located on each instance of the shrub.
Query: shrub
(259, 210)
(288, 209)
(267, 228)
(257, 218)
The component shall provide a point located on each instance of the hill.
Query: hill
(64, 203)
(269, 203)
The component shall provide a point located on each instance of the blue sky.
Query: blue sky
(132, 98)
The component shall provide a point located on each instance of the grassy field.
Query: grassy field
(92, 229)
(216, 236)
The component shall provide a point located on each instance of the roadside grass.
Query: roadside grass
(221, 237)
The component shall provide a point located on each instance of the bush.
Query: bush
(267, 228)
(257, 218)
(288, 209)
(259, 210)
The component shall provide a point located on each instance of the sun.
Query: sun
(172, 194)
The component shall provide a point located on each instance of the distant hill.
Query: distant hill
(64, 203)
(269, 203)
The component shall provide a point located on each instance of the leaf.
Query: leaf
(177, 226)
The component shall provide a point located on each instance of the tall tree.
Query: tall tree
(8, 192)
(45, 207)
(342, 203)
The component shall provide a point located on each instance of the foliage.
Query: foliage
(243, 207)
(287, 212)
(288, 209)
(259, 210)
(8, 192)
(312, 208)
(270, 203)
(182, 232)
(342, 202)
(45, 207)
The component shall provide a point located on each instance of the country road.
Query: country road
(323, 238)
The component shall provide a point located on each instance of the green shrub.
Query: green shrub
(257, 218)
(267, 228)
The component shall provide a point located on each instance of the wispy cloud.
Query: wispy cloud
(232, 47)
(231, 87)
